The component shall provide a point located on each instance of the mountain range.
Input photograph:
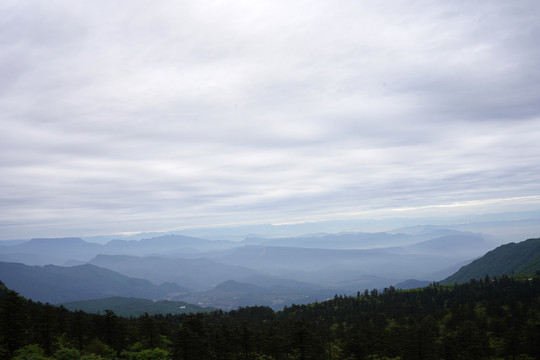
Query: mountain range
(58, 251)
(226, 274)
(58, 284)
(195, 274)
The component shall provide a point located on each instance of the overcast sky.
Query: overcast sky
(124, 116)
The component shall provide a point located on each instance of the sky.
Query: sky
(129, 116)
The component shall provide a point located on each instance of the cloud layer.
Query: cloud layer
(138, 116)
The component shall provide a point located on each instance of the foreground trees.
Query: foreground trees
(489, 319)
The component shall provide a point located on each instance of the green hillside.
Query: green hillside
(509, 259)
(127, 307)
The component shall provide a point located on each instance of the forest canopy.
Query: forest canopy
(495, 318)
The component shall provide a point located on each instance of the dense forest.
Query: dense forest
(497, 318)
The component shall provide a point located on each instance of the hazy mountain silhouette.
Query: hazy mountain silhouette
(357, 240)
(197, 274)
(327, 267)
(42, 251)
(164, 245)
(57, 284)
(304, 267)
(458, 245)
(59, 251)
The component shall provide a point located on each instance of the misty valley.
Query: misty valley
(273, 272)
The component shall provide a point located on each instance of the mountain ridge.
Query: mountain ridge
(56, 284)
(508, 259)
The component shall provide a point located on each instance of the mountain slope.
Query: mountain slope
(57, 284)
(512, 258)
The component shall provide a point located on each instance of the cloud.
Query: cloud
(137, 116)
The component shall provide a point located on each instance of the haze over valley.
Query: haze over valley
(227, 274)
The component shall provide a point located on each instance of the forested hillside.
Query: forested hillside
(496, 318)
(509, 259)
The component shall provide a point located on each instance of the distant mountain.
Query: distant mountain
(197, 274)
(29, 259)
(232, 294)
(43, 251)
(459, 244)
(355, 240)
(412, 284)
(343, 261)
(61, 251)
(232, 286)
(330, 267)
(425, 238)
(57, 284)
(11, 242)
(272, 257)
(426, 231)
(525, 226)
(269, 281)
(170, 287)
(127, 307)
(509, 259)
(165, 245)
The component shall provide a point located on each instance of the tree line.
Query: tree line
(492, 318)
